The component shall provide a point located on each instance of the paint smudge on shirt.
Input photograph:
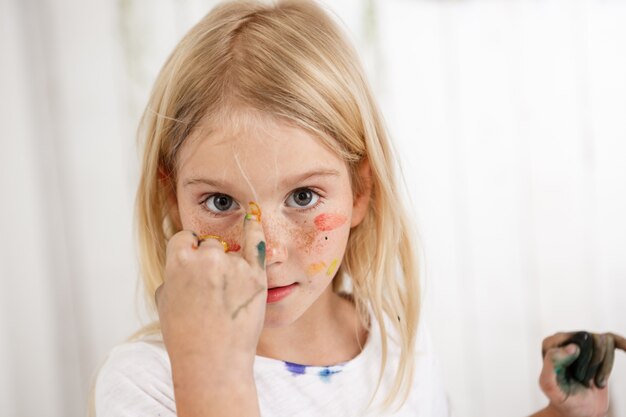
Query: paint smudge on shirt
(295, 368)
(326, 221)
(332, 268)
(326, 373)
(314, 269)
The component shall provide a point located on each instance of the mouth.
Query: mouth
(276, 294)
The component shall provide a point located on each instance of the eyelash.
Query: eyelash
(320, 198)
(320, 201)
(203, 203)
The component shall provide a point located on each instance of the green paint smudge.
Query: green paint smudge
(569, 386)
(261, 256)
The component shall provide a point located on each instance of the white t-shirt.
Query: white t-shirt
(136, 381)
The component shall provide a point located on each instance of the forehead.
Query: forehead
(254, 146)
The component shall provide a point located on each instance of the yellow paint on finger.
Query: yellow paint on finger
(332, 267)
(254, 212)
(314, 269)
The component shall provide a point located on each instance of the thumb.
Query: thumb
(253, 237)
(554, 379)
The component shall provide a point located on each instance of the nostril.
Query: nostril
(275, 253)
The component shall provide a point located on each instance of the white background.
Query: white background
(508, 115)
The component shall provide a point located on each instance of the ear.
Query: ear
(362, 200)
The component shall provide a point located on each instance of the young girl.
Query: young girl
(274, 245)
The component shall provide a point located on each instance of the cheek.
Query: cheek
(324, 230)
(324, 242)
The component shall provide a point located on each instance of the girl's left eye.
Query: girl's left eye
(303, 198)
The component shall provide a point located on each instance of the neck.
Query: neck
(328, 333)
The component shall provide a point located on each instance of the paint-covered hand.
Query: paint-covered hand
(212, 303)
(576, 368)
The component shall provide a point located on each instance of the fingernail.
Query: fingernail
(571, 349)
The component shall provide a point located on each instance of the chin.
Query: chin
(277, 319)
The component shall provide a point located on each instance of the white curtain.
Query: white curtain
(508, 117)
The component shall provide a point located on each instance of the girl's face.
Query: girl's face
(303, 191)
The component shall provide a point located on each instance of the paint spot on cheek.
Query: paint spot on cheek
(233, 247)
(326, 221)
(332, 267)
(314, 269)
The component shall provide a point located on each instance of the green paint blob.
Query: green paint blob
(261, 256)
(569, 386)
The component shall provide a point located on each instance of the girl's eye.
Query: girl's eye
(220, 203)
(303, 198)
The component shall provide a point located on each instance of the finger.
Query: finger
(157, 295)
(212, 242)
(253, 238)
(555, 366)
(555, 340)
(620, 342)
(606, 367)
(598, 354)
(578, 370)
(216, 238)
(181, 245)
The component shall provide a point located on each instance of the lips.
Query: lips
(276, 294)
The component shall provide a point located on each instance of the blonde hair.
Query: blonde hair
(291, 61)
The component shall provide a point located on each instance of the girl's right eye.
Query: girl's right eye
(220, 203)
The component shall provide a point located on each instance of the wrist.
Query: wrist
(214, 393)
(549, 411)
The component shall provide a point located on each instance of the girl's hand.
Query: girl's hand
(568, 397)
(212, 304)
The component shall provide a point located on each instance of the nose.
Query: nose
(275, 244)
(275, 252)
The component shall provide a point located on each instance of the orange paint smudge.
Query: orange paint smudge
(313, 269)
(326, 221)
(332, 267)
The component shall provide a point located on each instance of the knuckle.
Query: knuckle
(181, 255)
(212, 256)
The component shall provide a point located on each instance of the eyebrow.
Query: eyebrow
(310, 174)
(288, 181)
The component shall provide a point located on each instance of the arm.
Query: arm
(209, 389)
(212, 308)
(568, 396)
(549, 411)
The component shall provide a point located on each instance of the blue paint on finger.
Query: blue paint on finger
(261, 256)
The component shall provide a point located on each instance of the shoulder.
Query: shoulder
(427, 379)
(135, 380)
